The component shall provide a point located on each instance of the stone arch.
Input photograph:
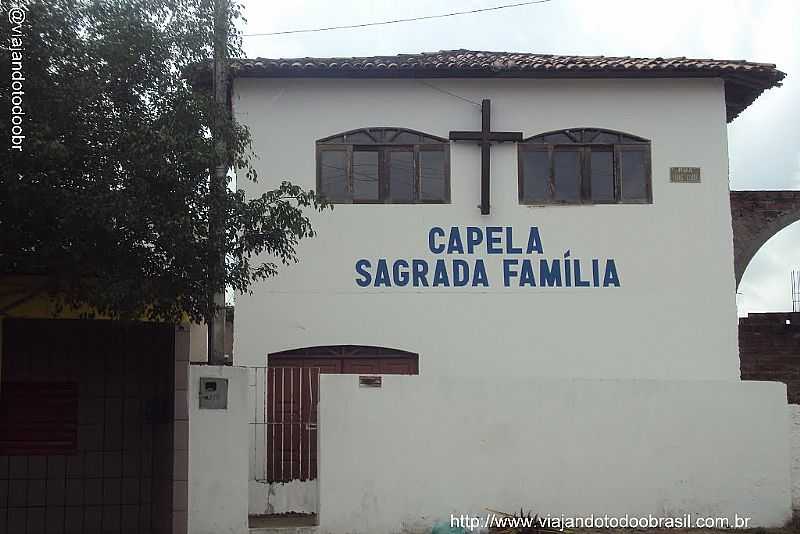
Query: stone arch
(756, 216)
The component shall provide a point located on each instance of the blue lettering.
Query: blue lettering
(474, 238)
(550, 276)
(611, 277)
(507, 272)
(440, 275)
(362, 267)
(460, 273)
(455, 245)
(419, 270)
(435, 232)
(534, 241)
(510, 248)
(480, 277)
(492, 239)
(401, 277)
(382, 274)
(526, 277)
(578, 281)
(565, 271)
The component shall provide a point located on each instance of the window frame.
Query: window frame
(648, 170)
(381, 173)
(384, 150)
(348, 161)
(385, 176)
(626, 142)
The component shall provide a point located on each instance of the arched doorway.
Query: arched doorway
(284, 424)
(292, 394)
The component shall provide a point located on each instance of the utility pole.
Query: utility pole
(216, 220)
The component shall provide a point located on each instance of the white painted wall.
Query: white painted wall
(299, 496)
(218, 445)
(794, 411)
(198, 342)
(637, 387)
(423, 447)
(673, 318)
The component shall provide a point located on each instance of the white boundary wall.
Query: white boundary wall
(279, 497)
(389, 461)
(218, 443)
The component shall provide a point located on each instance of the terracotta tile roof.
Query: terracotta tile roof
(744, 81)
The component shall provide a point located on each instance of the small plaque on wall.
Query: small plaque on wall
(369, 381)
(684, 175)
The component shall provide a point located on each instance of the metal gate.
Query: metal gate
(293, 393)
(286, 427)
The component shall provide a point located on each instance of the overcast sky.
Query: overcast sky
(764, 142)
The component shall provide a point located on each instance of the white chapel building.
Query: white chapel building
(523, 297)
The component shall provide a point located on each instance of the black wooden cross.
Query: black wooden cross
(485, 137)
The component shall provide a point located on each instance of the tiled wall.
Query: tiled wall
(180, 485)
(119, 479)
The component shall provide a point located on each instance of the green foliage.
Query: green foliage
(110, 199)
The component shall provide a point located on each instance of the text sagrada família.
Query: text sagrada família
(522, 266)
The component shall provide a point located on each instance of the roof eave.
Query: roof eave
(741, 88)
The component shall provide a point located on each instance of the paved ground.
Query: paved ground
(282, 520)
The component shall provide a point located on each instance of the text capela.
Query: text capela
(521, 259)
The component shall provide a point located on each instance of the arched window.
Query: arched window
(585, 166)
(384, 165)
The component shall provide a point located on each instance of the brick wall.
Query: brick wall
(769, 349)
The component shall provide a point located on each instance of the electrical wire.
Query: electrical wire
(396, 21)
(446, 92)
